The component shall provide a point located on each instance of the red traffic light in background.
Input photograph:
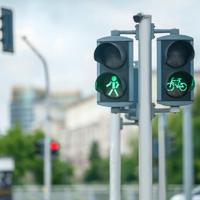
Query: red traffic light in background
(54, 146)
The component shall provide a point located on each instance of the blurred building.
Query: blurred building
(59, 102)
(28, 108)
(22, 106)
(85, 123)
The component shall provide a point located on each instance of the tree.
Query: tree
(99, 168)
(28, 166)
(62, 172)
(196, 135)
(174, 161)
(21, 148)
(94, 152)
(130, 163)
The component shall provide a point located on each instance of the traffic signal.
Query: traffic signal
(7, 29)
(39, 147)
(115, 73)
(175, 70)
(54, 147)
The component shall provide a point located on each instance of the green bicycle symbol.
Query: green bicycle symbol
(176, 83)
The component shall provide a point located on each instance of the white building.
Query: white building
(59, 102)
(87, 122)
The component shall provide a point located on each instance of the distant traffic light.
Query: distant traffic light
(175, 70)
(7, 29)
(54, 147)
(115, 73)
(39, 147)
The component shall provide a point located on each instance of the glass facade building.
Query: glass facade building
(22, 106)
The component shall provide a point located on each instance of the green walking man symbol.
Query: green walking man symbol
(113, 85)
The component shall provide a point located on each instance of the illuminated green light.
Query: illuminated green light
(113, 86)
(114, 78)
(192, 84)
(179, 84)
(110, 85)
(176, 83)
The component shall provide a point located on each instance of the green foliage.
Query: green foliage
(130, 163)
(196, 136)
(155, 126)
(62, 172)
(174, 161)
(94, 152)
(129, 169)
(98, 170)
(28, 166)
(196, 104)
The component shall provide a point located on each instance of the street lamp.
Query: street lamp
(47, 153)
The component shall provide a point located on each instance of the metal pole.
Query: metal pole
(187, 152)
(161, 149)
(115, 158)
(145, 99)
(47, 153)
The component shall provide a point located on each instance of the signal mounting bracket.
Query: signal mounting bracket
(127, 123)
(172, 109)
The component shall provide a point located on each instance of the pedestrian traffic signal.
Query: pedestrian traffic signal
(175, 82)
(115, 73)
(7, 29)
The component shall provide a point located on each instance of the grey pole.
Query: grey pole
(47, 153)
(187, 152)
(145, 99)
(161, 154)
(115, 158)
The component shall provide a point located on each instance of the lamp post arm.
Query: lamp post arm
(47, 153)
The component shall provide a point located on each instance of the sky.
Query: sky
(65, 32)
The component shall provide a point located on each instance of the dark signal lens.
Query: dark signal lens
(111, 55)
(179, 53)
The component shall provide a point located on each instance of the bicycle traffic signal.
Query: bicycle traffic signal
(175, 70)
(115, 73)
(7, 29)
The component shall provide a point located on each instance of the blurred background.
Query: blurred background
(65, 32)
